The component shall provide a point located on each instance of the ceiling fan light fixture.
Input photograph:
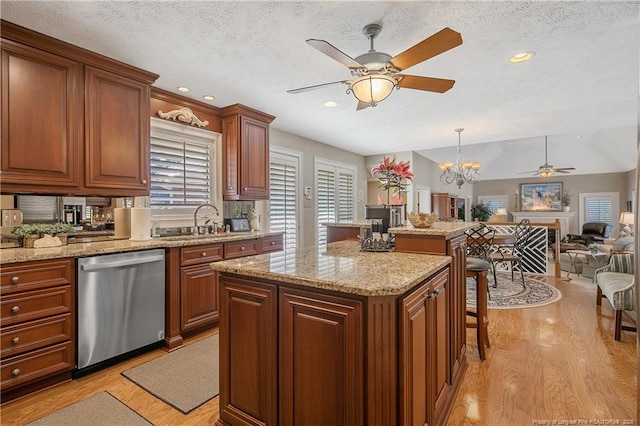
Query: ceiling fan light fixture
(372, 88)
(545, 173)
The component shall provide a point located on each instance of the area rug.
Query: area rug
(511, 295)
(99, 409)
(185, 378)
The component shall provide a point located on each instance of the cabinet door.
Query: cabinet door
(198, 297)
(42, 106)
(457, 248)
(254, 159)
(117, 133)
(321, 359)
(439, 306)
(248, 352)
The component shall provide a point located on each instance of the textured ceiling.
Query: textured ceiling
(582, 81)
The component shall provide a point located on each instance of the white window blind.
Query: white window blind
(599, 210)
(335, 190)
(283, 202)
(494, 202)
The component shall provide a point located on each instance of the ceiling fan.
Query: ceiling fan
(547, 170)
(376, 74)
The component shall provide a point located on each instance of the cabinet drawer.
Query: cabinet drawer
(32, 305)
(35, 365)
(33, 335)
(241, 248)
(273, 243)
(201, 254)
(34, 275)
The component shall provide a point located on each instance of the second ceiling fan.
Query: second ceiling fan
(547, 170)
(376, 74)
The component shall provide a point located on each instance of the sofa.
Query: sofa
(616, 283)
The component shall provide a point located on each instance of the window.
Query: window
(284, 194)
(182, 166)
(600, 207)
(335, 189)
(494, 202)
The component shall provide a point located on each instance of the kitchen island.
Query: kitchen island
(331, 335)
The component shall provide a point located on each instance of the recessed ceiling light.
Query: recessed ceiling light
(521, 57)
(330, 104)
(183, 89)
(578, 136)
(208, 98)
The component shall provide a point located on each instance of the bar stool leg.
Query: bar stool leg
(482, 320)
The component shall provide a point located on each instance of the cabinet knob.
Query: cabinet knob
(15, 372)
(273, 243)
(144, 181)
(203, 254)
(436, 293)
(15, 279)
(15, 309)
(242, 248)
(15, 340)
(245, 188)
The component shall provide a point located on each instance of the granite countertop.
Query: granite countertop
(340, 267)
(17, 255)
(348, 224)
(438, 228)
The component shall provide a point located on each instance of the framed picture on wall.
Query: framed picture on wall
(544, 196)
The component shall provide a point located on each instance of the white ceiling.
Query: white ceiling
(583, 80)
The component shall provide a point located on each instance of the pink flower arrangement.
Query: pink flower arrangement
(393, 174)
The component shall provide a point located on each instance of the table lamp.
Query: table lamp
(626, 219)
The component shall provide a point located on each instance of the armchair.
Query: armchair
(591, 232)
(616, 282)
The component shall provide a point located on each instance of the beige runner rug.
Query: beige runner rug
(185, 378)
(99, 409)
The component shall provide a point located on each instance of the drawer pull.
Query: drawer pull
(15, 309)
(144, 181)
(273, 243)
(15, 340)
(15, 279)
(242, 248)
(15, 372)
(204, 254)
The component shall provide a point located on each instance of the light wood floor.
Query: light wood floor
(557, 362)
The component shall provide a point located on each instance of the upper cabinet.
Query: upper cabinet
(245, 149)
(73, 121)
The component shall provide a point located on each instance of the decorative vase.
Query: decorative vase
(565, 209)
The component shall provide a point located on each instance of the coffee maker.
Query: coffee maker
(384, 217)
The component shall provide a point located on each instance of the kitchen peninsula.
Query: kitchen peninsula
(331, 335)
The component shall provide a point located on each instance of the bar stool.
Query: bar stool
(479, 242)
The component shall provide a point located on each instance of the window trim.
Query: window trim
(615, 208)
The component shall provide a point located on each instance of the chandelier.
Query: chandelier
(459, 172)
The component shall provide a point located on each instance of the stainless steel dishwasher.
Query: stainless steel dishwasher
(120, 306)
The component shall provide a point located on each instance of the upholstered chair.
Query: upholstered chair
(616, 282)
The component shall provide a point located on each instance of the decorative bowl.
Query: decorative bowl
(421, 220)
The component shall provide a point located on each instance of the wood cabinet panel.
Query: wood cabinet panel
(42, 103)
(248, 352)
(321, 358)
(272, 243)
(340, 233)
(117, 134)
(199, 295)
(25, 337)
(444, 205)
(31, 305)
(201, 254)
(440, 338)
(34, 365)
(242, 248)
(457, 249)
(35, 275)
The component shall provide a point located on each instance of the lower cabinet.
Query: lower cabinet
(297, 356)
(199, 297)
(36, 326)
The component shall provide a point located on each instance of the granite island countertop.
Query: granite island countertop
(340, 267)
(18, 255)
(347, 224)
(447, 229)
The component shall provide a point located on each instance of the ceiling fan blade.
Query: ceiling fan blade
(362, 105)
(438, 43)
(526, 173)
(334, 53)
(317, 86)
(431, 84)
(560, 169)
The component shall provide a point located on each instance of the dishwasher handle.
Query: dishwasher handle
(119, 263)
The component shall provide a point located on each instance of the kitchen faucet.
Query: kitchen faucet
(195, 214)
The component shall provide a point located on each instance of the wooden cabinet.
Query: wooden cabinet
(272, 243)
(198, 286)
(424, 332)
(117, 134)
(36, 325)
(42, 95)
(245, 148)
(444, 205)
(242, 248)
(73, 122)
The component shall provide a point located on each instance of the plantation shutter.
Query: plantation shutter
(180, 172)
(599, 210)
(326, 190)
(345, 197)
(283, 200)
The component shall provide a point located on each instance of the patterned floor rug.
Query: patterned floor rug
(511, 295)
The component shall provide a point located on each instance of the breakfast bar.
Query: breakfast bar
(332, 335)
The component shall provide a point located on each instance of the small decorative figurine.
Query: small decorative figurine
(254, 220)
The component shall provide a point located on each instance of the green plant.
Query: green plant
(42, 228)
(480, 212)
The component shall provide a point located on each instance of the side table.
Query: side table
(573, 257)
